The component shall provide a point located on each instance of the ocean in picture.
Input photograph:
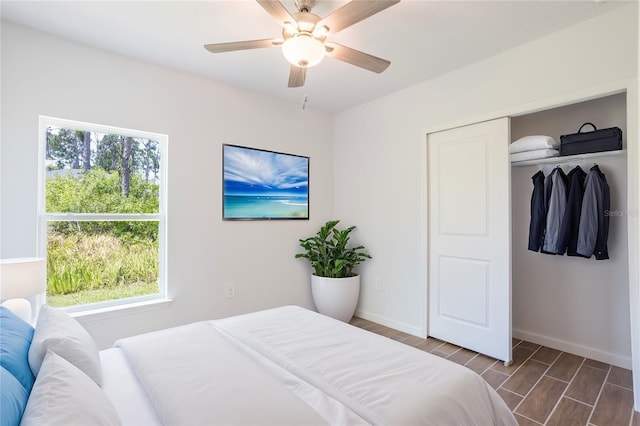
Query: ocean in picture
(265, 185)
(239, 206)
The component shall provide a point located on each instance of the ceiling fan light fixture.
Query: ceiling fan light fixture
(290, 28)
(303, 50)
(321, 31)
(306, 25)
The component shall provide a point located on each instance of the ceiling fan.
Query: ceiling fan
(304, 36)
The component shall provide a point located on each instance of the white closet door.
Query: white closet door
(470, 237)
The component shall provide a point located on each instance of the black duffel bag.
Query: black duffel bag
(596, 141)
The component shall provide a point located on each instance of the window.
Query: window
(102, 214)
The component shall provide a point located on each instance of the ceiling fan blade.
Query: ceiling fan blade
(354, 12)
(356, 57)
(277, 11)
(242, 45)
(297, 76)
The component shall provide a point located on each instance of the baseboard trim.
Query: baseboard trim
(396, 325)
(574, 348)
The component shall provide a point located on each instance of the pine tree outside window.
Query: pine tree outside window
(102, 214)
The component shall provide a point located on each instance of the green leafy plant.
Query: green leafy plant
(99, 191)
(84, 262)
(329, 254)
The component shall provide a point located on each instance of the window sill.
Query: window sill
(100, 314)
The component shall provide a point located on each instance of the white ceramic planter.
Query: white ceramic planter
(336, 297)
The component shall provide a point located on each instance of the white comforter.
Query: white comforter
(293, 366)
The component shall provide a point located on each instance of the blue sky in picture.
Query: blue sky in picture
(250, 172)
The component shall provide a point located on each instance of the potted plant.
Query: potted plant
(335, 286)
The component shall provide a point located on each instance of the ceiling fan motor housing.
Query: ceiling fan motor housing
(305, 22)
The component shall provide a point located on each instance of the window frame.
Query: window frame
(160, 217)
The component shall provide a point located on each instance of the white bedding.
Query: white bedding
(292, 366)
(533, 143)
(194, 376)
(124, 390)
(534, 155)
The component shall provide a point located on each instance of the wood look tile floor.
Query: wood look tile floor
(543, 386)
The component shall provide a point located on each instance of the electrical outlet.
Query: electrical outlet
(230, 291)
(378, 284)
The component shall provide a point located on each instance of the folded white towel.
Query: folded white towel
(534, 155)
(531, 143)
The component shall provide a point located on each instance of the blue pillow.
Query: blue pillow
(13, 399)
(15, 339)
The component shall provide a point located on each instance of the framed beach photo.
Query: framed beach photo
(264, 185)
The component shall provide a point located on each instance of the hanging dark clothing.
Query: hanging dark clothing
(594, 217)
(555, 211)
(538, 219)
(568, 240)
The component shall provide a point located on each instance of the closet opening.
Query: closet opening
(571, 303)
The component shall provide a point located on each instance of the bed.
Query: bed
(282, 366)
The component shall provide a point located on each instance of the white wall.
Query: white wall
(379, 154)
(45, 75)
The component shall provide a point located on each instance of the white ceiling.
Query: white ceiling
(421, 38)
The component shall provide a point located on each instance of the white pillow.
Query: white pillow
(62, 334)
(63, 395)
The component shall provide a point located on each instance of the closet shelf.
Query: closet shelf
(570, 158)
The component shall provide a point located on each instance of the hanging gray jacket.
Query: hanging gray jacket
(594, 222)
(555, 213)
